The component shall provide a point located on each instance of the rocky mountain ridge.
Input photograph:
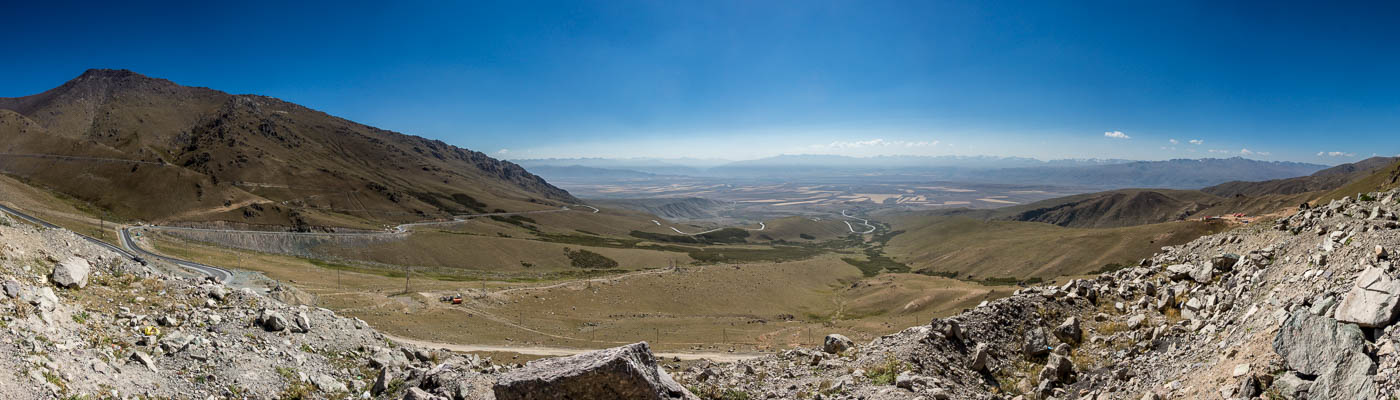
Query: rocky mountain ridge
(214, 156)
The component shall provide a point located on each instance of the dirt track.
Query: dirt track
(557, 351)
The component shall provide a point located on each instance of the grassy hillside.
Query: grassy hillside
(803, 229)
(979, 249)
(1378, 180)
(1324, 180)
(1118, 208)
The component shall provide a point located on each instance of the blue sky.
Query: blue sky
(744, 79)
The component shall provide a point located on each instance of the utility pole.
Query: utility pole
(407, 274)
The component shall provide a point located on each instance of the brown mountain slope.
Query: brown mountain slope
(1117, 208)
(211, 156)
(1379, 179)
(1323, 180)
(1132, 207)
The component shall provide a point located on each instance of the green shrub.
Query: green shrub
(586, 259)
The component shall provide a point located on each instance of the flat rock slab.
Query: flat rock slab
(1333, 352)
(627, 372)
(1371, 302)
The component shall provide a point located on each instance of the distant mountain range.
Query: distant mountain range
(1094, 173)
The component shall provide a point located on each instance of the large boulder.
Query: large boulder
(72, 272)
(1224, 262)
(1203, 273)
(1069, 331)
(1180, 271)
(980, 358)
(1058, 370)
(627, 372)
(837, 343)
(1332, 352)
(1034, 344)
(1371, 301)
(272, 320)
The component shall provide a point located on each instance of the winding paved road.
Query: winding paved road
(135, 252)
(865, 222)
(219, 274)
(46, 224)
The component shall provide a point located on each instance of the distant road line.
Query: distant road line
(396, 230)
(865, 222)
(82, 158)
(560, 352)
(761, 226)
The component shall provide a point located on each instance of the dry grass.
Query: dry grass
(992, 249)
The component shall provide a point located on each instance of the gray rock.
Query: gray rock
(1192, 308)
(175, 342)
(905, 380)
(303, 322)
(272, 320)
(218, 292)
(1224, 262)
(44, 298)
(144, 359)
(1069, 331)
(1136, 321)
(1249, 387)
(1331, 351)
(328, 384)
(1291, 386)
(1322, 306)
(71, 272)
(382, 358)
(12, 289)
(836, 344)
(627, 372)
(1035, 344)
(1203, 273)
(1371, 301)
(381, 383)
(980, 358)
(1058, 369)
(414, 393)
(1180, 271)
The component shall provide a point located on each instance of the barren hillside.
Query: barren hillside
(152, 149)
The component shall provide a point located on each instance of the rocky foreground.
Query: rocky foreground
(1302, 308)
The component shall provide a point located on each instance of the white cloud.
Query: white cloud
(840, 144)
(1247, 152)
(1197, 141)
(1116, 135)
(1173, 141)
(1335, 154)
(502, 151)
